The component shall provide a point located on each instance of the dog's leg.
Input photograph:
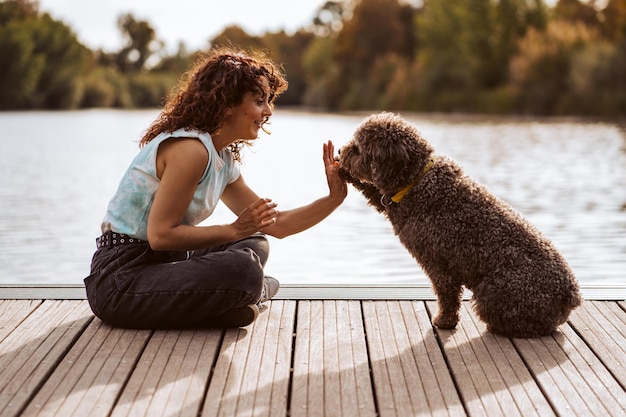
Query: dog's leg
(371, 193)
(449, 296)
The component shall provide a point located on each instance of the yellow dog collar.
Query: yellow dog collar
(397, 197)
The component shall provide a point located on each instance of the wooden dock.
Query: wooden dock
(309, 357)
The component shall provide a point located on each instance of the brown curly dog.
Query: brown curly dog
(460, 233)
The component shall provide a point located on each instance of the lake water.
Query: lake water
(59, 169)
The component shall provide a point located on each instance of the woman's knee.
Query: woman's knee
(248, 269)
(257, 243)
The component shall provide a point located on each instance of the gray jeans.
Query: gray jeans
(132, 286)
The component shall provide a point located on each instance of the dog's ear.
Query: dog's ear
(389, 165)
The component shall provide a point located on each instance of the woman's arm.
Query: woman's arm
(238, 195)
(180, 166)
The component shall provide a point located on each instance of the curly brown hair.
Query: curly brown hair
(217, 81)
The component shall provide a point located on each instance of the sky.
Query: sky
(191, 21)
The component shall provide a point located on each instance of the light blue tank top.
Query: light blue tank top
(128, 210)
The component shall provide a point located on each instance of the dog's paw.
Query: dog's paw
(346, 176)
(445, 322)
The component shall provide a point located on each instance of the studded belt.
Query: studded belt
(109, 239)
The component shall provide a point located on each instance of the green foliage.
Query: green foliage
(42, 58)
(139, 37)
(540, 72)
(22, 69)
(106, 87)
(614, 21)
(288, 51)
(149, 89)
(492, 56)
(321, 74)
(177, 63)
(98, 90)
(377, 28)
(467, 46)
(282, 47)
(329, 18)
(64, 58)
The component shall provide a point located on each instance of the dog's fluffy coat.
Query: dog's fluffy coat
(460, 233)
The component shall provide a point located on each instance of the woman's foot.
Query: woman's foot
(237, 317)
(270, 288)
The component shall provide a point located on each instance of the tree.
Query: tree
(322, 74)
(17, 10)
(455, 44)
(236, 36)
(176, 63)
(541, 71)
(576, 11)
(614, 17)
(20, 70)
(140, 39)
(19, 74)
(65, 61)
(512, 20)
(42, 59)
(376, 29)
(288, 50)
(330, 18)
(466, 46)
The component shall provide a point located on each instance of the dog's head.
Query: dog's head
(385, 151)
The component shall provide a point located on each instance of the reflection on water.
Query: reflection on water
(58, 171)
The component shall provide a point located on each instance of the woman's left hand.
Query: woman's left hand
(338, 187)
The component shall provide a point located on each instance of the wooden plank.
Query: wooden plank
(276, 360)
(442, 397)
(603, 327)
(13, 312)
(381, 373)
(90, 377)
(405, 357)
(300, 386)
(616, 313)
(171, 374)
(30, 352)
(491, 376)
(308, 373)
(599, 388)
(390, 364)
(516, 378)
(250, 371)
(265, 383)
(251, 374)
(332, 388)
(57, 360)
(331, 371)
(357, 398)
(570, 374)
(347, 385)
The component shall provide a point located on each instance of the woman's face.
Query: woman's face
(244, 120)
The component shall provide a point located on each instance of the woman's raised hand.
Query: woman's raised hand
(337, 186)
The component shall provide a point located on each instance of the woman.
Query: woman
(154, 267)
